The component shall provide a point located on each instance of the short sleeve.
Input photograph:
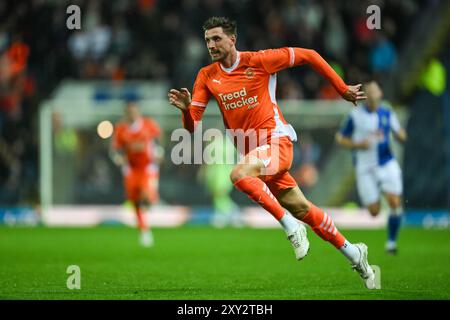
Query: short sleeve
(200, 92)
(347, 127)
(274, 60)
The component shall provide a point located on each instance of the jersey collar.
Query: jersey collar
(136, 125)
(366, 108)
(234, 66)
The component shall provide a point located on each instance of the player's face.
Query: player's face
(132, 112)
(219, 43)
(374, 94)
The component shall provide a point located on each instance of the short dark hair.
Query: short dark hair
(369, 81)
(131, 103)
(228, 26)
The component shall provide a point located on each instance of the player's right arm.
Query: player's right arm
(399, 132)
(117, 157)
(116, 148)
(158, 137)
(348, 143)
(191, 108)
(344, 136)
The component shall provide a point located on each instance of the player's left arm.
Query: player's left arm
(274, 60)
(401, 135)
(398, 131)
(158, 140)
(159, 152)
(313, 58)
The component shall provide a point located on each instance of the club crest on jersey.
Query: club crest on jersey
(249, 73)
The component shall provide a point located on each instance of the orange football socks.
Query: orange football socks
(140, 217)
(323, 226)
(260, 193)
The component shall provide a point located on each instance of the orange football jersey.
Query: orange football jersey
(245, 92)
(137, 141)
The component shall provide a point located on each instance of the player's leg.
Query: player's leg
(133, 195)
(220, 186)
(148, 195)
(245, 178)
(150, 187)
(374, 208)
(225, 210)
(139, 195)
(394, 221)
(294, 200)
(139, 208)
(368, 191)
(269, 162)
(146, 235)
(133, 191)
(140, 203)
(392, 188)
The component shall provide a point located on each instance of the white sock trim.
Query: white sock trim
(397, 211)
(289, 223)
(351, 252)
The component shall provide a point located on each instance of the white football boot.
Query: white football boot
(391, 248)
(299, 242)
(363, 268)
(147, 239)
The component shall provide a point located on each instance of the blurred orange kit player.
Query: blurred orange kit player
(136, 137)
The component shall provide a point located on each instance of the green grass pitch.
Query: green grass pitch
(206, 263)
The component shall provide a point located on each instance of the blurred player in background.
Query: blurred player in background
(215, 175)
(367, 131)
(243, 84)
(136, 150)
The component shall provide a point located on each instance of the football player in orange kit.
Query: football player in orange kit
(136, 136)
(243, 84)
